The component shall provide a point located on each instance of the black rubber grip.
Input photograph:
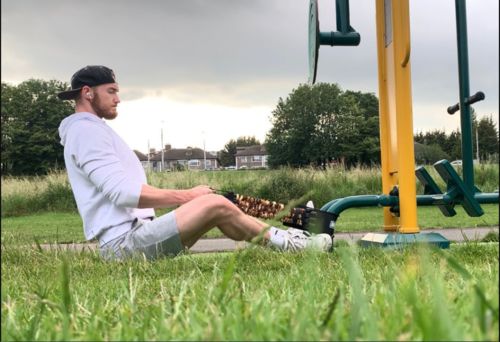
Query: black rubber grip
(479, 96)
(453, 109)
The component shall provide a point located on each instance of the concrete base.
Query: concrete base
(397, 240)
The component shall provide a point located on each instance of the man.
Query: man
(116, 203)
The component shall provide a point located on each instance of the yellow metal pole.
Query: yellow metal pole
(396, 121)
(391, 222)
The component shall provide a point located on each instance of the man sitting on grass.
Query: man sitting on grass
(116, 203)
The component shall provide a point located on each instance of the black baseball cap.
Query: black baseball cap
(91, 75)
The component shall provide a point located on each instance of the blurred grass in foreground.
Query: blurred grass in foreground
(351, 294)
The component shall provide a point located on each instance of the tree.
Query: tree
(226, 156)
(484, 130)
(488, 139)
(363, 148)
(484, 133)
(449, 145)
(429, 154)
(435, 137)
(30, 117)
(454, 145)
(320, 123)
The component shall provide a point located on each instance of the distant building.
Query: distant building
(251, 157)
(142, 158)
(191, 158)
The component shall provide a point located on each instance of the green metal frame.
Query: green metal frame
(345, 34)
(431, 188)
(463, 80)
(456, 194)
(458, 191)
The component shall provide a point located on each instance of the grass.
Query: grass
(417, 293)
(254, 294)
(45, 228)
(28, 195)
(67, 227)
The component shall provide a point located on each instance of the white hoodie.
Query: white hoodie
(105, 175)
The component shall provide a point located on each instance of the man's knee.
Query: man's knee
(218, 205)
(205, 211)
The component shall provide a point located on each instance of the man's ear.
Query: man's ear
(87, 92)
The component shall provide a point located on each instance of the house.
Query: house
(251, 157)
(142, 158)
(191, 158)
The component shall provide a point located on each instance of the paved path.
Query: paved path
(221, 245)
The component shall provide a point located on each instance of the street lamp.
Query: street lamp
(204, 152)
(148, 154)
(162, 148)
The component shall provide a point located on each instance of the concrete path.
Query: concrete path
(223, 244)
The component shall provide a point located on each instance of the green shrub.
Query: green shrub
(284, 185)
(22, 196)
(486, 177)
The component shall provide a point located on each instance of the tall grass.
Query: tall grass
(351, 294)
(27, 195)
(21, 196)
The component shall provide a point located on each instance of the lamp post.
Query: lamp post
(162, 148)
(148, 154)
(204, 152)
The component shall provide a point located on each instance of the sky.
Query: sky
(203, 72)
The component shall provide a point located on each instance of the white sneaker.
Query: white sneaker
(298, 239)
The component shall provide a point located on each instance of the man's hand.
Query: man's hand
(201, 190)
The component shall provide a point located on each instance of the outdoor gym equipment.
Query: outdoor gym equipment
(399, 197)
(253, 206)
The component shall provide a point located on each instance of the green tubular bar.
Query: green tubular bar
(463, 79)
(345, 34)
(457, 193)
(339, 205)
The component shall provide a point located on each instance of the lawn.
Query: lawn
(67, 227)
(351, 294)
(415, 293)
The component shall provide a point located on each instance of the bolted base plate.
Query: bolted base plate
(398, 240)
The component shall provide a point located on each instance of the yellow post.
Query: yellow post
(396, 121)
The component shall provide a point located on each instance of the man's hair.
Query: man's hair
(79, 96)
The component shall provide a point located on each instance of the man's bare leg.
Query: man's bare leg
(203, 213)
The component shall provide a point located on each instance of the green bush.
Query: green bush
(486, 177)
(57, 197)
(284, 185)
(40, 194)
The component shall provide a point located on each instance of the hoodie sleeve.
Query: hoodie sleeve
(92, 150)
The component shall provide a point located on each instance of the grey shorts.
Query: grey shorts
(149, 239)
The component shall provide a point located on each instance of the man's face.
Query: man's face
(105, 101)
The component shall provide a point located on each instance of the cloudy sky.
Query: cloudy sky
(207, 71)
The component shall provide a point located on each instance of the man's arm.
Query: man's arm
(98, 161)
(152, 197)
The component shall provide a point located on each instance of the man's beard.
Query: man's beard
(101, 111)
